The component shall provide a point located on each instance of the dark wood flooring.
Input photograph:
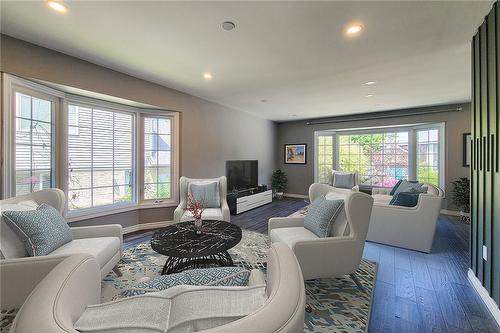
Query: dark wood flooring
(414, 292)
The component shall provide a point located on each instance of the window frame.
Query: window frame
(61, 99)
(412, 130)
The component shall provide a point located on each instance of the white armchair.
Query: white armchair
(19, 274)
(330, 256)
(221, 213)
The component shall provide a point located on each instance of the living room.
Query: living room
(166, 141)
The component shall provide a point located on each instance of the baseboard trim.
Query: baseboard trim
(292, 195)
(450, 212)
(146, 226)
(483, 293)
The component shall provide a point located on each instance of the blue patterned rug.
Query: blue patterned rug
(333, 305)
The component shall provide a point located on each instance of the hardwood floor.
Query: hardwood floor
(414, 292)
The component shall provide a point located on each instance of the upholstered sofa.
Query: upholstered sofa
(62, 296)
(407, 227)
(221, 213)
(19, 273)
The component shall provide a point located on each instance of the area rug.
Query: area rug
(333, 305)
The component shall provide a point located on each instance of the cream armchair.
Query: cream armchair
(19, 274)
(221, 213)
(61, 298)
(330, 256)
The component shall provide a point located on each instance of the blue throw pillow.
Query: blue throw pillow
(344, 180)
(217, 276)
(42, 230)
(395, 187)
(321, 215)
(207, 193)
(406, 186)
(406, 199)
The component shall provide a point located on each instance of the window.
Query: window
(380, 159)
(33, 143)
(325, 157)
(382, 156)
(157, 158)
(100, 154)
(428, 156)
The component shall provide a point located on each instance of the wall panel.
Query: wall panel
(485, 176)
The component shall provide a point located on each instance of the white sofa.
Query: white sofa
(330, 256)
(221, 213)
(20, 274)
(60, 299)
(407, 227)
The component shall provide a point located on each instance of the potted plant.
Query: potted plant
(461, 197)
(279, 181)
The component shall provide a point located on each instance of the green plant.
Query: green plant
(279, 180)
(461, 193)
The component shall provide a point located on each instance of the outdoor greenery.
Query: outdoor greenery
(461, 194)
(279, 180)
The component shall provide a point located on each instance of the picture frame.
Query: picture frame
(466, 154)
(295, 153)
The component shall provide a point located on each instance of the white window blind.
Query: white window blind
(34, 142)
(100, 157)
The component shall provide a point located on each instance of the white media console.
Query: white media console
(245, 201)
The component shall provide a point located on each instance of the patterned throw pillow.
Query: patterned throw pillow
(42, 230)
(405, 186)
(321, 215)
(217, 276)
(207, 193)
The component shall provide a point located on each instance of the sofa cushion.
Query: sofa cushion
(174, 310)
(42, 230)
(208, 214)
(11, 246)
(406, 199)
(290, 236)
(321, 215)
(217, 276)
(381, 199)
(102, 248)
(206, 193)
(344, 179)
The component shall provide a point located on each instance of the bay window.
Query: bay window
(382, 156)
(106, 156)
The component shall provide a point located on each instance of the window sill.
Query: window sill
(75, 217)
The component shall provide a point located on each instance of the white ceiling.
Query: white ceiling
(295, 55)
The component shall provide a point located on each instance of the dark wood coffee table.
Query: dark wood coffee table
(187, 250)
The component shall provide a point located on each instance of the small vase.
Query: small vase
(197, 226)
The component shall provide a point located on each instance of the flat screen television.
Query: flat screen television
(242, 174)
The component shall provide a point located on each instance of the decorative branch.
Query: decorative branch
(195, 207)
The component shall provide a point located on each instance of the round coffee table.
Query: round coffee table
(185, 249)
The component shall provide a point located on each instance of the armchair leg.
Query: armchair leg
(117, 271)
(354, 277)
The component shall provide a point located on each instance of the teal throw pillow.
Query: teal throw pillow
(42, 230)
(344, 180)
(406, 186)
(406, 199)
(217, 276)
(321, 215)
(206, 193)
(394, 189)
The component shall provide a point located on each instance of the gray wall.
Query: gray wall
(301, 176)
(210, 133)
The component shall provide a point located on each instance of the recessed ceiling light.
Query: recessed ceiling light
(58, 6)
(369, 95)
(228, 25)
(369, 83)
(263, 100)
(354, 29)
(207, 76)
